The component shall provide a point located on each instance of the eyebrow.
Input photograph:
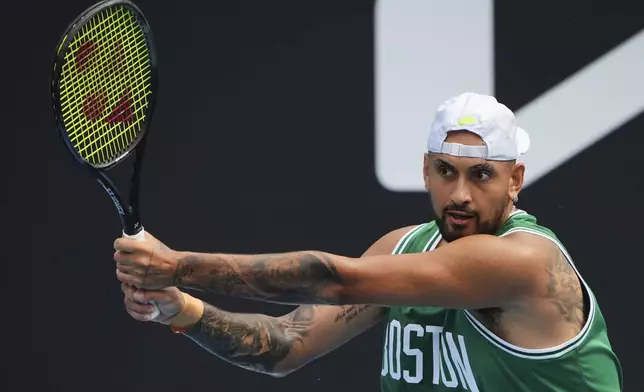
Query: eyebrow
(480, 166)
(443, 163)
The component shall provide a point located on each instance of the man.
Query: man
(481, 299)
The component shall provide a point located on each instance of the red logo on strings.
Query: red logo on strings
(94, 105)
(123, 110)
(85, 55)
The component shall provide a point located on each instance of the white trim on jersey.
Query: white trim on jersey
(431, 241)
(405, 238)
(546, 353)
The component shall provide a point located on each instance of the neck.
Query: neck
(509, 210)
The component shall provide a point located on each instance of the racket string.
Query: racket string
(105, 86)
(99, 96)
(104, 59)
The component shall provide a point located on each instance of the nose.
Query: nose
(461, 194)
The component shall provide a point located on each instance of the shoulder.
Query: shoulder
(522, 256)
(541, 257)
(533, 245)
(387, 243)
(543, 251)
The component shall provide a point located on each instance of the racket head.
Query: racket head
(104, 83)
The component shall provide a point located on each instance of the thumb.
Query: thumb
(126, 245)
(147, 296)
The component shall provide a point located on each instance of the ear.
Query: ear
(426, 170)
(516, 180)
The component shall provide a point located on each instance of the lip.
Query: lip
(459, 218)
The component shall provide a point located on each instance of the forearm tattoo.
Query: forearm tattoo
(292, 278)
(253, 341)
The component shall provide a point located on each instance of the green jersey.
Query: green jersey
(439, 349)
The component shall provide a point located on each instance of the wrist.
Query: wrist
(190, 313)
(183, 269)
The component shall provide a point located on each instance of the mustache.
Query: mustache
(459, 208)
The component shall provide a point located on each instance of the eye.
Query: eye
(445, 171)
(482, 175)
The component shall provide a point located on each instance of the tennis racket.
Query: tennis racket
(103, 92)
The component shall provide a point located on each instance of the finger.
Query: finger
(141, 258)
(130, 270)
(125, 278)
(133, 264)
(122, 257)
(147, 296)
(128, 245)
(128, 290)
(139, 316)
(140, 308)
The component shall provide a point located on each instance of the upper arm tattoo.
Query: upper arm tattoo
(564, 289)
(348, 313)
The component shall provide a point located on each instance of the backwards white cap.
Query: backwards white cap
(485, 116)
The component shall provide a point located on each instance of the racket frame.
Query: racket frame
(129, 213)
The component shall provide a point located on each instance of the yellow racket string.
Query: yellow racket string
(105, 85)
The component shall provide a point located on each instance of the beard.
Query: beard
(491, 226)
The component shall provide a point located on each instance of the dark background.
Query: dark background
(262, 142)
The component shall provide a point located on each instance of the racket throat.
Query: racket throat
(128, 216)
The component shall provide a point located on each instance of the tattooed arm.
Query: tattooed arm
(474, 272)
(280, 345)
(271, 345)
(275, 345)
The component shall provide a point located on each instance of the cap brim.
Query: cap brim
(523, 140)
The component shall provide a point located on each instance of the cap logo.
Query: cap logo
(467, 120)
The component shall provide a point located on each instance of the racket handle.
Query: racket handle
(140, 236)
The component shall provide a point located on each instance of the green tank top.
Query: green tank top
(438, 349)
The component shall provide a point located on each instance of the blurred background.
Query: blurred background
(287, 125)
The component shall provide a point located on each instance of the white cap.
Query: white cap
(484, 116)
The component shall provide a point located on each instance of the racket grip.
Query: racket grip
(140, 236)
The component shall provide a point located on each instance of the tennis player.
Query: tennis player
(481, 299)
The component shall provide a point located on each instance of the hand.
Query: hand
(169, 301)
(145, 264)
